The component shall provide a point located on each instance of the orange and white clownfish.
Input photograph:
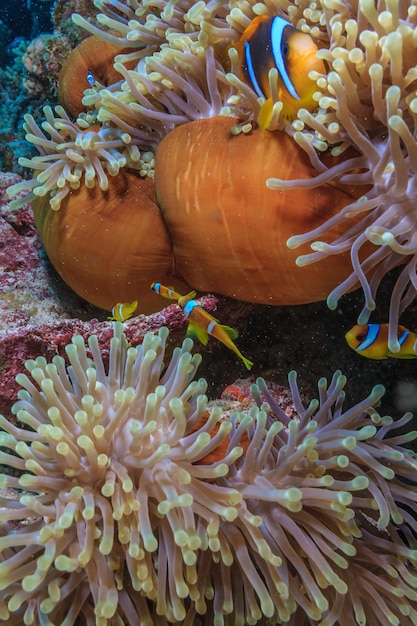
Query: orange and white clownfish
(371, 341)
(122, 311)
(272, 42)
(168, 292)
(90, 78)
(201, 323)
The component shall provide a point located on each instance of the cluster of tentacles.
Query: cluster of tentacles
(130, 502)
(175, 65)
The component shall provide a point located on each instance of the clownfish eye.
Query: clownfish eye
(285, 50)
(360, 337)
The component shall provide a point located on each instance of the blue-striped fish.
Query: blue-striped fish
(371, 340)
(122, 311)
(201, 323)
(272, 42)
(90, 78)
(168, 292)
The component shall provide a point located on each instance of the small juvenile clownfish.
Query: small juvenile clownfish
(371, 341)
(92, 81)
(122, 311)
(90, 78)
(272, 42)
(167, 292)
(201, 323)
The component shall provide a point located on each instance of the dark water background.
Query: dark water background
(21, 20)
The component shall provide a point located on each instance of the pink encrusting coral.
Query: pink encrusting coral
(130, 503)
(28, 287)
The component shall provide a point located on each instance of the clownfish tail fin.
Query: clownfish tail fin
(248, 364)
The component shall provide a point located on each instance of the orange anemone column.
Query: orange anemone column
(229, 231)
(109, 246)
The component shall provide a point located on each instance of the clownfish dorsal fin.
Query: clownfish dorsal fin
(251, 29)
(230, 332)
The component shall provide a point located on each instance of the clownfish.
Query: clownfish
(272, 42)
(122, 311)
(92, 81)
(90, 78)
(201, 323)
(168, 292)
(371, 341)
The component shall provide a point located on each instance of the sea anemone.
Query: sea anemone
(185, 70)
(92, 59)
(118, 510)
(368, 102)
(178, 86)
(181, 82)
(76, 153)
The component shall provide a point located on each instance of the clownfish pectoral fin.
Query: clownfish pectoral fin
(197, 332)
(270, 114)
(265, 115)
